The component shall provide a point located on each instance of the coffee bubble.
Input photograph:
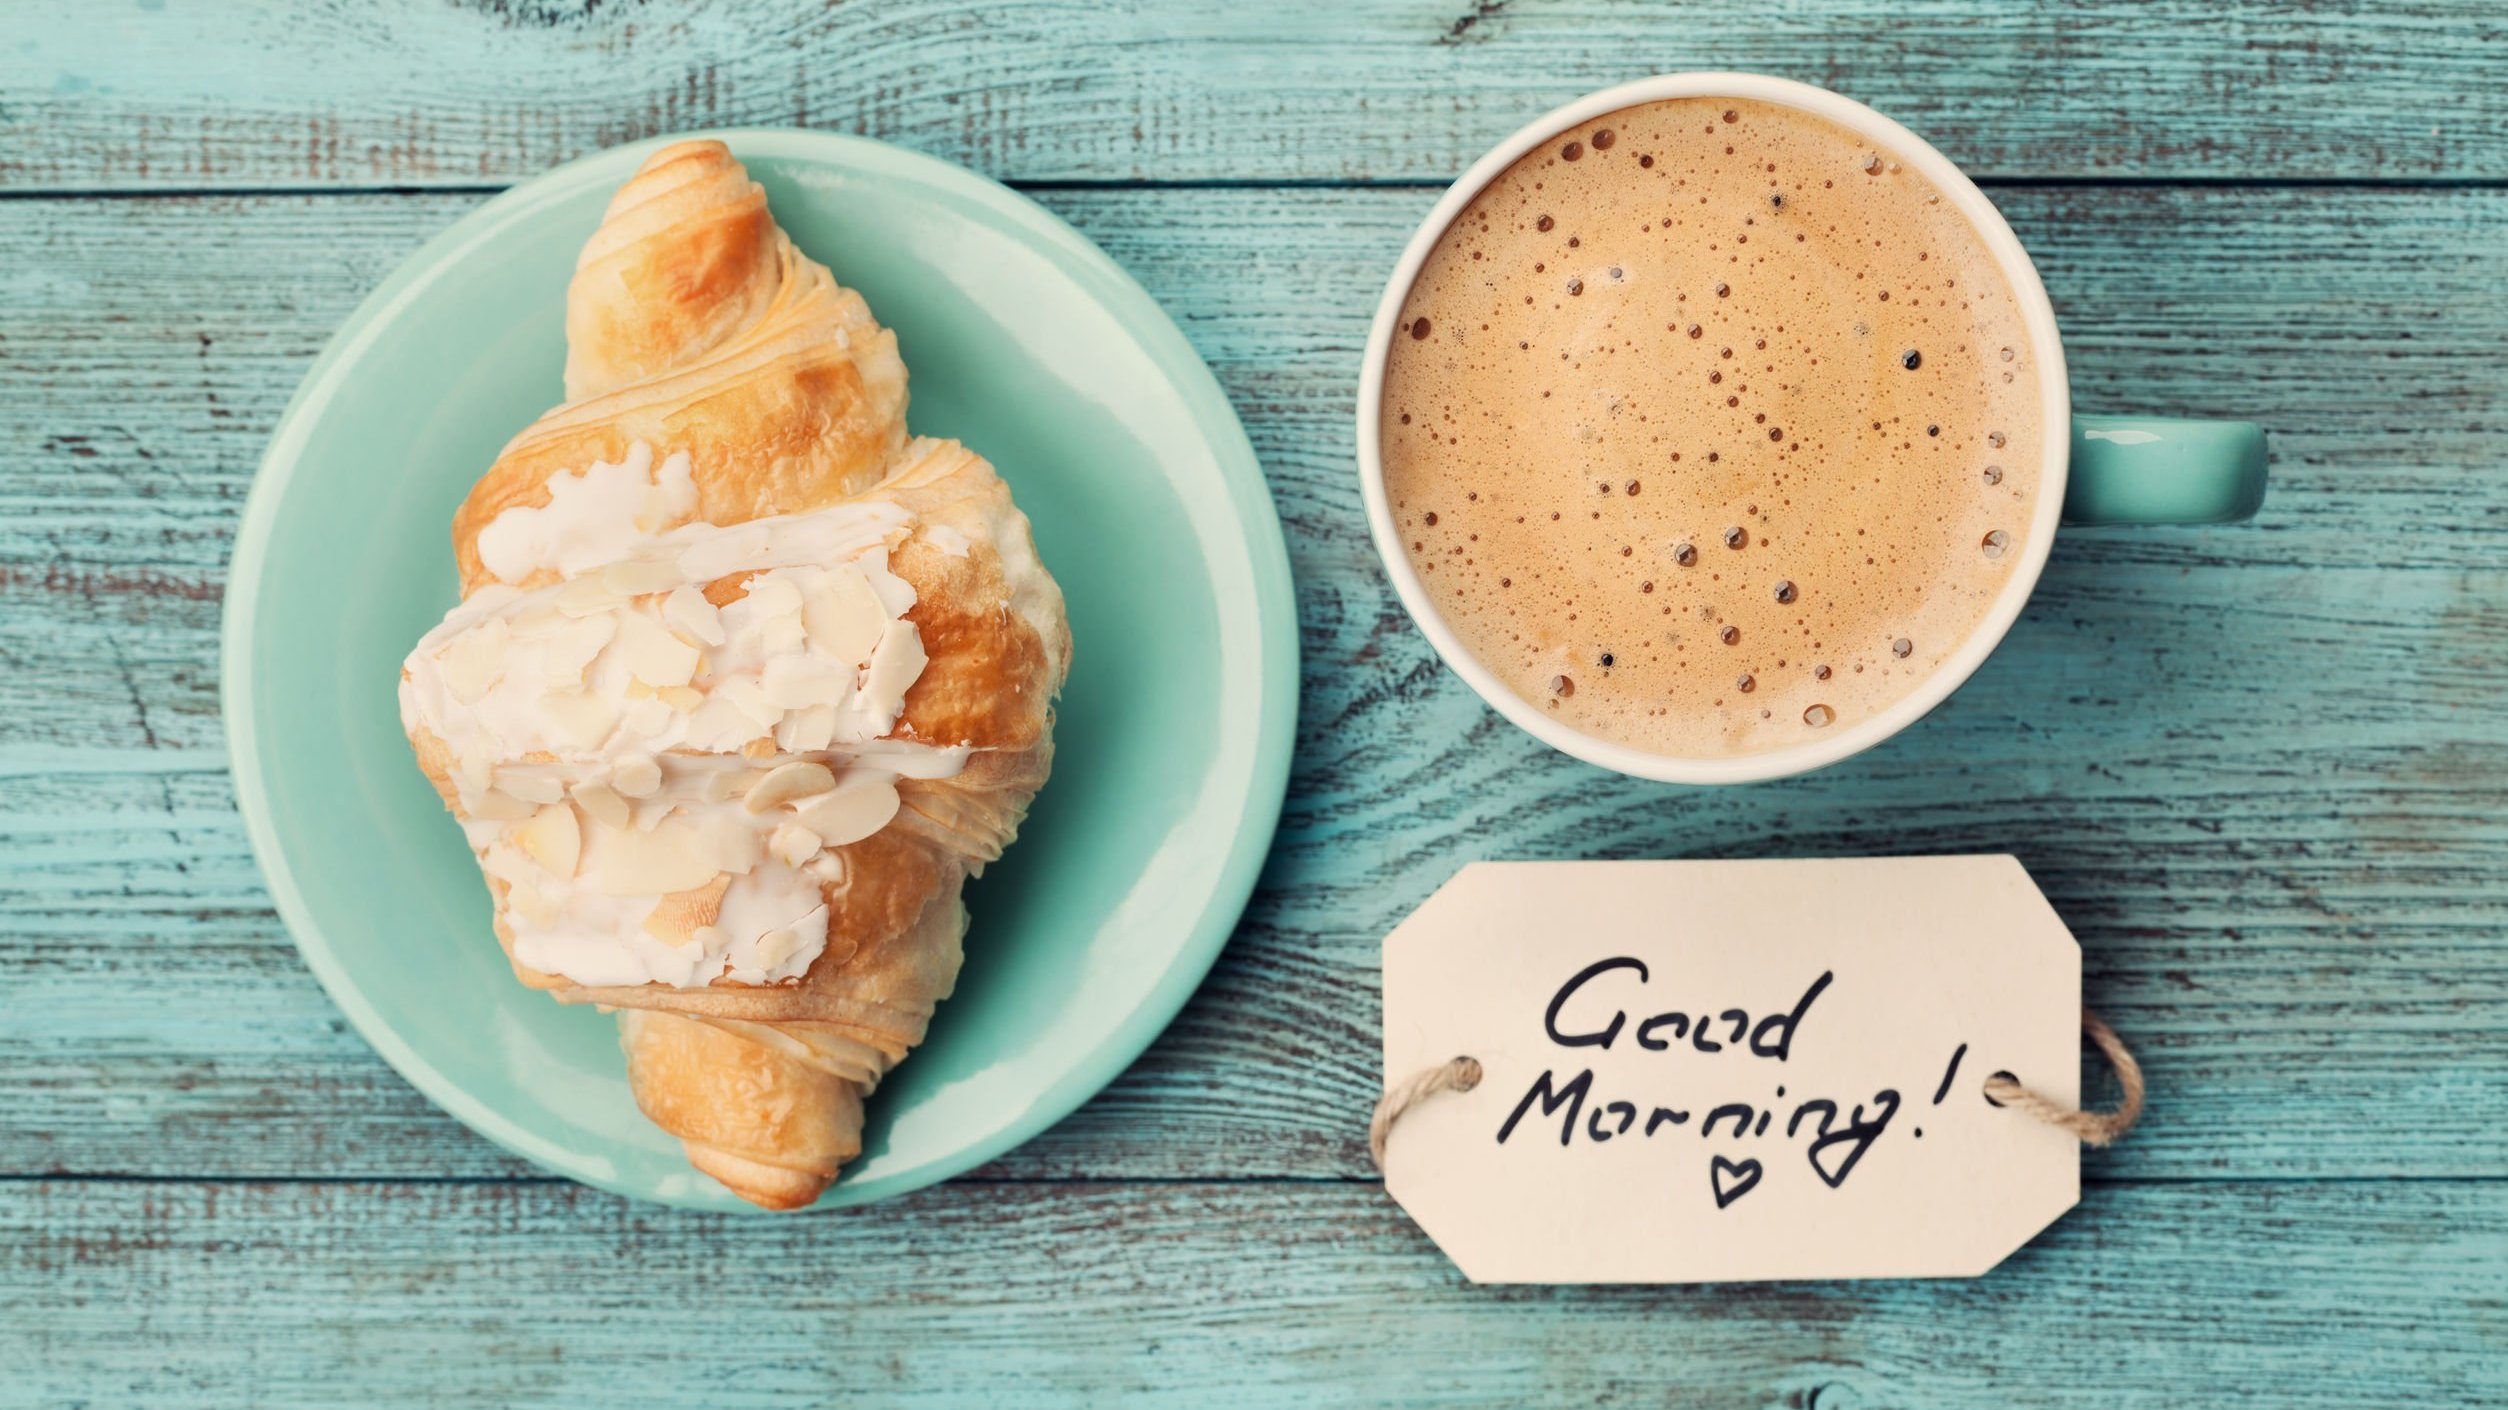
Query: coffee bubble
(1819, 716)
(1901, 647)
(1784, 591)
(1995, 543)
(1736, 537)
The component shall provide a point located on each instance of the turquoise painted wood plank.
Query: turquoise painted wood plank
(2258, 767)
(142, 94)
(975, 1294)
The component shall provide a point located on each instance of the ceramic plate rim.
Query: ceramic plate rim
(1132, 308)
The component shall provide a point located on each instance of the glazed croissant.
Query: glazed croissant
(744, 683)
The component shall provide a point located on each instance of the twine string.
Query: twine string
(1458, 1074)
(2094, 1128)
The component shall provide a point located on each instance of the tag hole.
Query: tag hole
(1989, 1094)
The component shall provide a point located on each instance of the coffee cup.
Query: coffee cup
(2090, 469)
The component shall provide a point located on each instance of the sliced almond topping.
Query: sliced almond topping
(498, 807)
(689, 614)
(602, 804)
(636, 775)
(626, 862)
(792, 844)
(530, 787)
(843, 616)
(894, 667)
(798, 682)
(553, 838)
(750, 699)
(682, 916)
(762, 747)
(570, 649)
(475, 661)
(720, 725)
(726, 842)
(651, 653)
(859, 807)
(807, 731)
(682, 699)
(798, 779)
(583, 719)
(782, 636)
(585, 596)
(506, 862)
(632, 577)
(646, 718)
(773, 594)
(474, 773)
(713, 939)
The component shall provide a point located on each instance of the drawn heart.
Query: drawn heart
(1732, 1179)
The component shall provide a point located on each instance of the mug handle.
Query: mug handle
(2154, 470)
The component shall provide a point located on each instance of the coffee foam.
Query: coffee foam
(1708, 428)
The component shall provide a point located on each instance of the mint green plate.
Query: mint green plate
(1022, 339)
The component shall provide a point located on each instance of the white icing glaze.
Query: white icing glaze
(594, 516)
(816, 655)
(596, 727)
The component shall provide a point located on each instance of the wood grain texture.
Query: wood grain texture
(2294, 1296)
(2260, 768)
(97, 94)
(2257, 767)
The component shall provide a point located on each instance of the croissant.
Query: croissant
(744, 683)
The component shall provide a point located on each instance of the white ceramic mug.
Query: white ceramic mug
(2148, 470)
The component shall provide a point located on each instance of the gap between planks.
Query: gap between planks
(1990, 183)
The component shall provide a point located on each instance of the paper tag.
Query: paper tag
(1733, 1070)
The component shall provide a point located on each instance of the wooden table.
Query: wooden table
(2259, 768)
